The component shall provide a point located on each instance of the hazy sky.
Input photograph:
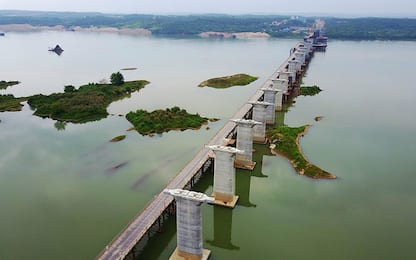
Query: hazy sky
(334, 7)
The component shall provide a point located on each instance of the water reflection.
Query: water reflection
(242, 188)
(60, 125)
(223, 220)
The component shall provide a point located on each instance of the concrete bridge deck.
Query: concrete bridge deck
(123, 243)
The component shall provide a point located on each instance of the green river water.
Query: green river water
(62, 195)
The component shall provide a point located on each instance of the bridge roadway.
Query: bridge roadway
(122, 244)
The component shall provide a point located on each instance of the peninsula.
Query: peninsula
(159, 121)
(5, 84)
(228, 81)
(285, 142)
(10, 103)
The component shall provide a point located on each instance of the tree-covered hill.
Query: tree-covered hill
(172, 25)
(192, 25)
(371, 28)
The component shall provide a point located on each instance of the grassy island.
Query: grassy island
(286, 143)
(309, 90)
(118, 138)
(228, 81)
(159, 121)
(88, 103)
(10, 103)
(6, 84)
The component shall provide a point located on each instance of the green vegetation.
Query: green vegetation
(309, 90)
(60, 126)
(167, 25)
(10, 103)
(371, 28)
(192, 25)
(160, 121)
(117, 79)
(6, 84)
(286, 143)
(318, 118)
(118, 138)
(229, 81)
(88, 103)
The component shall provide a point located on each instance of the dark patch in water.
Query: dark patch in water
(110, 171)
(139, 182)
(165, 165)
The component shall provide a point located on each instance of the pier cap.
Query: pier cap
(270, 89)
(281, 80)
(261, 103)
(222, 148)
(300, 54)
(283, 72)
(249, 122)
(190, 195)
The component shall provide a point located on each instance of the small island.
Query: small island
(285, 142)
(309, 90)
(159, 121)
(118, 138)
(318, 118)
(228, 81)
(10, 103)
(5, 84)
(88, 103)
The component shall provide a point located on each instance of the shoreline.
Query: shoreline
(127, 31)
(61, 28)
(292, 162)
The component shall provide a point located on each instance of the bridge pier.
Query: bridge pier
(282, 86)
(300, 56)
(224, 175)
(189, 224)
(293, 67)
(270, 94)
(290, 77)
(245, 143)
(259, 115)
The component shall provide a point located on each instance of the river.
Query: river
(63, 196)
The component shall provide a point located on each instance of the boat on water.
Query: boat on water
(318, 38)
(57, 49)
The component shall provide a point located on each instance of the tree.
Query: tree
(69, 88)
(117, 79)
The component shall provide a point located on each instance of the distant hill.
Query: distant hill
(371, 28)
(170, 25)
(193, 25)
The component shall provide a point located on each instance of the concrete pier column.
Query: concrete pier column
(286, 75)
(282, 86)
(224, 175)
(270, 97)
(245, 143)
(189, 224)
(309, 45)
(304, 49)
(299, 64)
(306, 52)
(300, 56)
(293, 66)
(259, 115)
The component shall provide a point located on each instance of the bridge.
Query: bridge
(155, 210)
